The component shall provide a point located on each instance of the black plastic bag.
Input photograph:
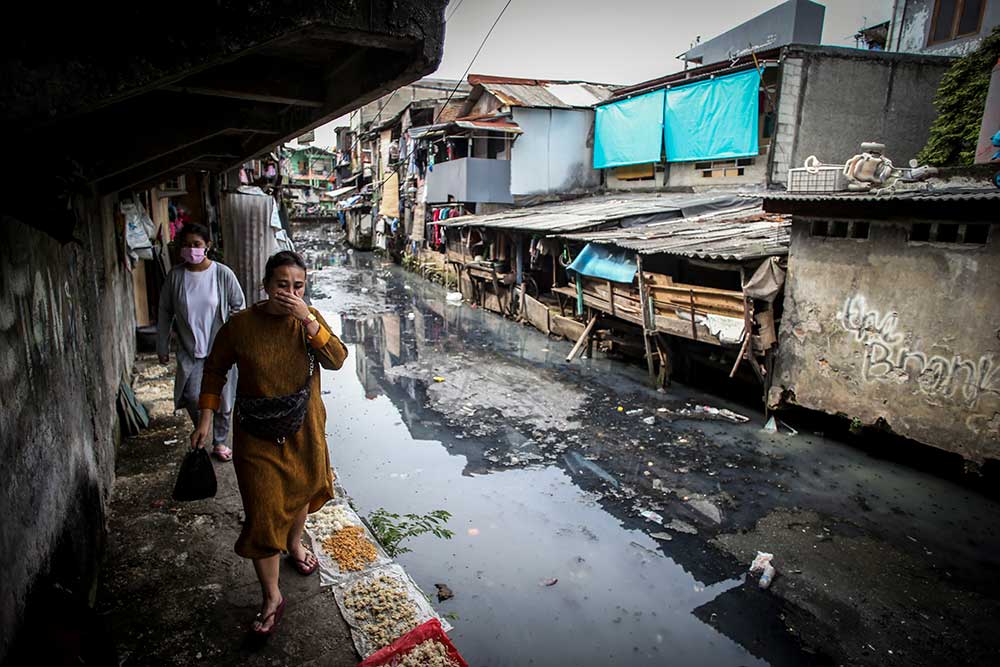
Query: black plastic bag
(196, 479)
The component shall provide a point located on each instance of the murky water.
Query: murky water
(542, 574)
(551, 563)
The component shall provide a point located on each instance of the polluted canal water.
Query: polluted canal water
(542, 574)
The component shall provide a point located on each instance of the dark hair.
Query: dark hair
(283, 258)
(194, 228)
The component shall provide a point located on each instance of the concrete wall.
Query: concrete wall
(832, 99)
(67, 334)
(908, 333)
(555, 153)
(470, 180)
(911, 26)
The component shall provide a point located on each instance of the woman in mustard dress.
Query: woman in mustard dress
(279, 483)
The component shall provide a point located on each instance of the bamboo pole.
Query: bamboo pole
(583, 337)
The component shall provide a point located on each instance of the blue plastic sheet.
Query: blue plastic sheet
(713, 119)
(629, 131)
(606, 262)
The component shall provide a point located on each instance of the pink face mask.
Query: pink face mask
(193, 255)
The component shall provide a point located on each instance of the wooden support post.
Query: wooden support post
(583, 337)
(611, 297)
(647, 326)
(694, 327)
(666, 367)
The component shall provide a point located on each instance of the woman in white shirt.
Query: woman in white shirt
(198, 297)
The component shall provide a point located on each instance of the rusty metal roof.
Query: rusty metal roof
(516, 92)
(948, 194)
(601, 211)
(732, 234)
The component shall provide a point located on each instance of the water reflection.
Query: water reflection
(402, 441)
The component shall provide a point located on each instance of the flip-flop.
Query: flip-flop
(302, 567)
(277, 613)
(222, 453)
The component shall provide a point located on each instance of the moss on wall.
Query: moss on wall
(960, 100)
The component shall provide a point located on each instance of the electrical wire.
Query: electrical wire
(452, 12)
(471, 62)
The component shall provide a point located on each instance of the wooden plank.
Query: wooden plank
(675, 326)
(582, 339)
(566, 327)
(537, 313)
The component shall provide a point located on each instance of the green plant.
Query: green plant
(392, 529)
(960, 99)
(856, 426)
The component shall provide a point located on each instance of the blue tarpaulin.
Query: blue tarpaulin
(607, 262)
(629, 131)
(713, 119)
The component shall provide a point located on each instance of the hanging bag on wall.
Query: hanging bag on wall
(196, 479)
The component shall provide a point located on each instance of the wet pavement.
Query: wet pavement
(598, 522)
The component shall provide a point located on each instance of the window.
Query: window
(955, 18)
(840, 229)
(950, 232)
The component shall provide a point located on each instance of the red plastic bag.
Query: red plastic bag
(430, 630)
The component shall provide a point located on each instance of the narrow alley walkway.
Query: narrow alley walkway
(172, 589)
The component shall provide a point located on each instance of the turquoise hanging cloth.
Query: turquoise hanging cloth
(579, 295)
(713, 119)
(629, 131)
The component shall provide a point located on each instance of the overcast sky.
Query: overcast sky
(611, 41)
(607, 41)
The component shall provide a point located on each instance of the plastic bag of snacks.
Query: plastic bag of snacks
(425, 646)
(342, 543)
(380, 606)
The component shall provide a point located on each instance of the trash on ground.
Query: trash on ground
(633, 412)
(665, 537)
(762, 564)
(707, 508)
(771, 426)
(172, 441)
(650, 515)
(443, 592)
(550, 582)
(679, 526)
(454, 296)
(438, 378)
(649, 420)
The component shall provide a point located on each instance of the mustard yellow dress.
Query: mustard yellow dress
(275, 481)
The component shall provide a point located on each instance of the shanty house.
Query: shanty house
(516, 140)
(891, 313)
(746, 114)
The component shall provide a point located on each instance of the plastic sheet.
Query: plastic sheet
(712, 119)
(329, 569)
(431, 630)
(422, 610)
(629, 131)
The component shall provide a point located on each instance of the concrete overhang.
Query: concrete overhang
(106, 98)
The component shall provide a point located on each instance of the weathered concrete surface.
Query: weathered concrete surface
(893, 332)
(911, 26)
(66, 338)
(832, 99)
(172, 591)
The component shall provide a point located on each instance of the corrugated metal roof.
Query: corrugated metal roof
(595, 212)
(947, 194)
(734, 234)
(541, 93)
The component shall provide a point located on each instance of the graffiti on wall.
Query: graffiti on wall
(891, 357)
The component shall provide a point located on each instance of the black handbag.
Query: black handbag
(276, 417)
(196, 478)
